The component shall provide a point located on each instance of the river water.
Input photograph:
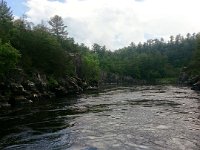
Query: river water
(129, 118)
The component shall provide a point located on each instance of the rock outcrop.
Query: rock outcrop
(196, 86)
(187, 79)
(19, 88)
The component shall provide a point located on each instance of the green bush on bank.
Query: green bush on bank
(9, 57)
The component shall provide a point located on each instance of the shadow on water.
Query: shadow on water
(40, 122)
(152, 103)
(43, 123)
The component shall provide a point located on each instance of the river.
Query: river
(118, 118)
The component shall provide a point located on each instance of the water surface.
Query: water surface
(130, 118)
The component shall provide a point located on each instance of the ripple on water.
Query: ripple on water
(140, 117)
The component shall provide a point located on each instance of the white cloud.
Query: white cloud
(16, 17)
(117, 23)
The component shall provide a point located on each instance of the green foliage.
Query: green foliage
(57, 27)
(41, 51)
(5, 12)
(50, 51)
(5, 21)
(46, 53)
(151, 60)
(9, 57)
(90, 67)
(195, 62)
(52, 81)
(166, 81)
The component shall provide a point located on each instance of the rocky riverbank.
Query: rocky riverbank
(20, 88)
(114, 79)
(187, 79)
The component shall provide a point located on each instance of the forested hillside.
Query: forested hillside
(40, 48)
(47, 49)
(150, 60)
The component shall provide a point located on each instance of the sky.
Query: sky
(115, 23)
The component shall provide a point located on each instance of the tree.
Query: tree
(5, 12)
(57, 27)
(96, 48)
(5, 20)
(45, 52)
(9, 57)
(195, 63)
(90, 68)
(171, 39)
(42, 26)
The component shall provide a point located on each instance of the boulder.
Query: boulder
(60, 91)
(29, 85)
(47, 95)
(194, 79)
(20, 88)
(4, 105)
(196, 86)
(3, 101)
(41, 87)
(16, 75)
(17, 89)
(92, 88)
(22, 100)
(72, 85)
(18, 100)
(81, 83)
(40, 82)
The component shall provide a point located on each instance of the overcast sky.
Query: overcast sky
(115, 23)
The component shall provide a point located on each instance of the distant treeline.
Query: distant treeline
(153, 59)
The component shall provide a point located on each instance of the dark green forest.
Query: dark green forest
(48, 49)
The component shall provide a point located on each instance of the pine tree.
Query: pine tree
(57, 27)
(5, 20)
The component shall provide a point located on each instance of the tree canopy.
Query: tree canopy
(6, 18)
(57, 26)
(47, 49)
(9, 57)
